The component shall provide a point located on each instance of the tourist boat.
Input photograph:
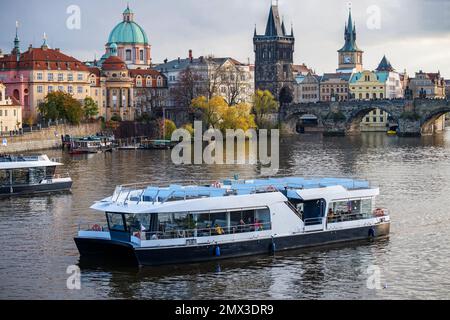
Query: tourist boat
(93, 144)
(31, 174)
(147, 225)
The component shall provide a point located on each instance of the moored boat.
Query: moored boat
(31, 174)
(148, 225)
(93, 144)
(157, 144)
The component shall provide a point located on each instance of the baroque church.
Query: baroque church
(274, 57)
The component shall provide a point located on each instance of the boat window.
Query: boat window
(4, 178)
(115, 222)
(219, 219)
(20, 176)
(349, 210)
(138, 222)
(313, 212)
(366, 206)
(202, 224)
(263, 216)
(36, 175)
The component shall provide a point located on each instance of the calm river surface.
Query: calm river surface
(36, 233)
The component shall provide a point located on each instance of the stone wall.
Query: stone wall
(46, 138)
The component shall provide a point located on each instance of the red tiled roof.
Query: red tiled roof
(145, 72)
(42, 59)
(114, 63)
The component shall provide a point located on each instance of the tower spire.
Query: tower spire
(16, 49)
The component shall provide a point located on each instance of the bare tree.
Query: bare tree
(190, 86)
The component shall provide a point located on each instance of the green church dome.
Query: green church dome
(128, 31)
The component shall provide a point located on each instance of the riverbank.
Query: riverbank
(47, 138)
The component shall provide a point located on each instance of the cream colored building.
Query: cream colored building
(10, 112)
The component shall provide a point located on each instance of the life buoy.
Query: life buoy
(96, 228)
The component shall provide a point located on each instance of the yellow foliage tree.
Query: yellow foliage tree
(219, 115)
(264, 103)
(212, 109)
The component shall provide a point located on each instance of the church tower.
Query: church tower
(274, 54)
(350, 56)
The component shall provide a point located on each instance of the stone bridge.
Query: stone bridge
(414, 117)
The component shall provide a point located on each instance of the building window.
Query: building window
(80, 89)
(141, 55)
(40, 89)
(60, 88)
(70, 77)
(60, 77)
(39, 76)
(80, 77)
(70, 89)
(128, 55)
(50, 77)
(50, 89)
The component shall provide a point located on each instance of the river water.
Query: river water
(36, 233)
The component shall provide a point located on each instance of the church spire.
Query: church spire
(16, 49)
(350, 35)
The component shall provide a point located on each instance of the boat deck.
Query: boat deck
(145, 192)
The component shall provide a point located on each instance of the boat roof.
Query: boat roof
(132, 198)
(8, 162)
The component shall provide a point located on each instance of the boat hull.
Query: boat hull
(34, 189)
(201, 253)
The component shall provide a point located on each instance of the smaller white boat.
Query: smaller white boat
(31, 174)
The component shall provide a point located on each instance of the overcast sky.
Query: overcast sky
(414, 34)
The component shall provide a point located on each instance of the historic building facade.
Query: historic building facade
(334, 87)
(225, 77)
(10, 112)
(31, 75)
(427, 85)
(132, 43)
(274, 56)
(307, 89)
(350, 56)
(126, 93)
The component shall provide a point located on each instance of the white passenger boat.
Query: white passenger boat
(31, 174)
(149, 225)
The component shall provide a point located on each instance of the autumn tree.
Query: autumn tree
(211, 109)
(237, 117)
(264, 104)
(167, 127)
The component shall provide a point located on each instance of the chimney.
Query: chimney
(57, 49)
(179, 60)
(191, 58)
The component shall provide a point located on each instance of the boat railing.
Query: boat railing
(205, 232)
(345, 217)
(92, 226)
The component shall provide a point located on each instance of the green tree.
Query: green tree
(59, 105)
(90, 108)
(264, 103)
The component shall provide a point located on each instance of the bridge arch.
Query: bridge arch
(428, 120)
(295, 121)
(357, 116)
